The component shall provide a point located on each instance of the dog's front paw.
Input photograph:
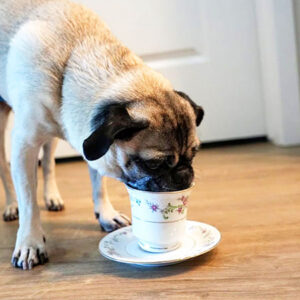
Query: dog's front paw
(11, 212)
(112, 220)
(54, 202)
(29, 251)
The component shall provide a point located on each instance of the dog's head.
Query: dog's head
(150, 143)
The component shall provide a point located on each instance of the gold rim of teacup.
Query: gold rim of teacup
(160, 193)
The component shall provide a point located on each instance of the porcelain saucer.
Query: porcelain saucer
(122, 246)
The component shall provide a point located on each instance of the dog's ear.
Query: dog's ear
(112, 122)
(199, 112)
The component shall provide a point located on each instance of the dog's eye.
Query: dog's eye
(194, 151)
(171, 160)
(153, 164)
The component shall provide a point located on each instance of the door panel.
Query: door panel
(152, 27)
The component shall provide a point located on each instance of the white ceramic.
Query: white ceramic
(122, 246)
(158, 218)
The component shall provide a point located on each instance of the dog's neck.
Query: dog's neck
(88, 77)
(92, 74)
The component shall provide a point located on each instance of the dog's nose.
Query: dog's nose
(183, 176)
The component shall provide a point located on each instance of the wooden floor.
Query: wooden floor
(251, 193)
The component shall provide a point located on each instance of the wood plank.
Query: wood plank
(250, 192)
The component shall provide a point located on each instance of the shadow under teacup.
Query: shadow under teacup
(158, 218)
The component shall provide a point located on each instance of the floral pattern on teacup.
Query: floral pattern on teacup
(138, 202)
(184, 200)
(169, 209)
(154, 207)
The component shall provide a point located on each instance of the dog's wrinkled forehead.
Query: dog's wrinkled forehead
(166, 142)
(172, 129)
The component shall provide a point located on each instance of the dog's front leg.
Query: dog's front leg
(30, 245)
(108, 217)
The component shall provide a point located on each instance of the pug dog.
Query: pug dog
(66, 76)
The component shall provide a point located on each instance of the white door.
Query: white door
(206, 48)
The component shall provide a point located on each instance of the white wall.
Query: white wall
(279, 66)
(296, 4)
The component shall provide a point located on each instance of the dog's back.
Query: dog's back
(47, 31)
(62, 16)
(12, 14)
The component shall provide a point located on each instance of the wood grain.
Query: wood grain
(251, 193)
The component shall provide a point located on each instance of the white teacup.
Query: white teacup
(158, 218)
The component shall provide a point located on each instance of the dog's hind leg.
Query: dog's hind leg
(108, 217)
(11, 209)
(52, 196)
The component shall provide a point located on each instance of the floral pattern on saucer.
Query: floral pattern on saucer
(122, 246)
(109, 245)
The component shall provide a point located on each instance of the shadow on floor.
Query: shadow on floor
(140, 272)
(104, 267)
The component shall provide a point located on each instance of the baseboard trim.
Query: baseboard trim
(235, 142)
(68, 159)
